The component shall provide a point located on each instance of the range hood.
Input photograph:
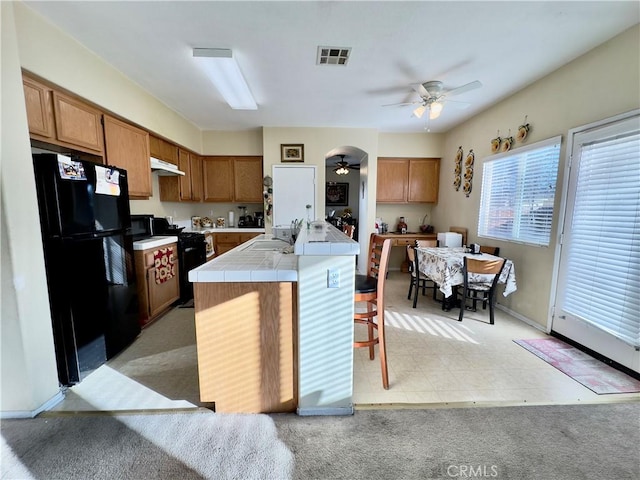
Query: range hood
(164, 168)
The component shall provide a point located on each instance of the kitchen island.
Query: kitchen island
(271, 334)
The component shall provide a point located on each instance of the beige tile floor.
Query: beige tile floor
(433, 360)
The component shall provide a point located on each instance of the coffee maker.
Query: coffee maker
(259, 219)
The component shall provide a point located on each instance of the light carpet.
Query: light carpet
(597, 376)
(183, 446)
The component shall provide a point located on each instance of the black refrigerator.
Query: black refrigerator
(88, 249)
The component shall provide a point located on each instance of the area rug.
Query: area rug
(582, 367)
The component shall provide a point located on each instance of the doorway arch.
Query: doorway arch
(358, 178)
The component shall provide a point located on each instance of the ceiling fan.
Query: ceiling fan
(343, 167)
(433, 95)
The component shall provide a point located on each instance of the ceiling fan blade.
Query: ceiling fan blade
(418, 87)
(464, 88)
(401, 104)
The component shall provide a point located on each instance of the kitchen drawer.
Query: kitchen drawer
(403, 242)
(228, 238)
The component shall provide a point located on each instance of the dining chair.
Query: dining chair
(462, 231)
(369, 289)
(485, 287)
(417, 279)
(490, 250)
(428, 244)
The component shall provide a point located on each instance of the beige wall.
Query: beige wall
(246, 142)
(602, 83)
(29, 376)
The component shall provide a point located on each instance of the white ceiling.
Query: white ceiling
(504, 45)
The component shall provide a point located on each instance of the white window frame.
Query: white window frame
(523, 156)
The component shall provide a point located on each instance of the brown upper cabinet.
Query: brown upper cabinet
(39, 108)
(232, 179)
(163, 150)
(408, 180)
(187, 188)
(61, 119)
(128, 147)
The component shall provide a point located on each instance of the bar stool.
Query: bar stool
(370, 289)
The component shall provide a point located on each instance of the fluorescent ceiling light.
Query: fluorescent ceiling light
(225, 74)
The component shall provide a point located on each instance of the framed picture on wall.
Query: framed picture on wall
(337, 194)
(292, 153)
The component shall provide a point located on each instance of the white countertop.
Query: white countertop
(322, 238)
(244, 264)
(263, 258)
(154, 242)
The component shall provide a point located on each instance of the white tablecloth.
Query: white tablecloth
(444, 267)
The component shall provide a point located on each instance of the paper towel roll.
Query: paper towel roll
(231, 224)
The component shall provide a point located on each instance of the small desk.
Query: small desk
(404, 239)
(444, 267)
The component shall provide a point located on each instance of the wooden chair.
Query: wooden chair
(429, 244)
(471, 289)
(417, 279)
(370, 289)
(461, 230)
(348, 230)
(490, 250)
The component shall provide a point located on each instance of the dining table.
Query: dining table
(444, 265)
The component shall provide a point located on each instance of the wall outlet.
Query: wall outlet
(333, 278)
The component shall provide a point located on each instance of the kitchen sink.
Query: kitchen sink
(268, 245)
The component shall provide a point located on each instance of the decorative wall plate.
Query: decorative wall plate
(523, 130)
(470, 157)
(467, 188)
(468, 173)
(469, 161)
(495, 144)
(456, 182)
(506, 144)
(459, 154)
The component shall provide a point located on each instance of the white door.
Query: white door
(598, 284)
(294, 187)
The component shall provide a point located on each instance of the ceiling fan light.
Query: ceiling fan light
(418, 112)
(342, 170)
(434, 110)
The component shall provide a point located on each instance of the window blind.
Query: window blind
(603, 270)
(518, 191)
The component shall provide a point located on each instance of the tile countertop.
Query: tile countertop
(224, 230)
(254, 261)
(322, 238)
(248, 263)
(154, 242)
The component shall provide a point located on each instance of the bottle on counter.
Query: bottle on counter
(402, 226)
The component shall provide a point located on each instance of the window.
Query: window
(518, 191)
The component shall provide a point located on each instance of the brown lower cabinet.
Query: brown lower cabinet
(154, 296)
(245, 339)
(223, 242)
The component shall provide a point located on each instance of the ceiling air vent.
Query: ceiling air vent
(333, 55)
